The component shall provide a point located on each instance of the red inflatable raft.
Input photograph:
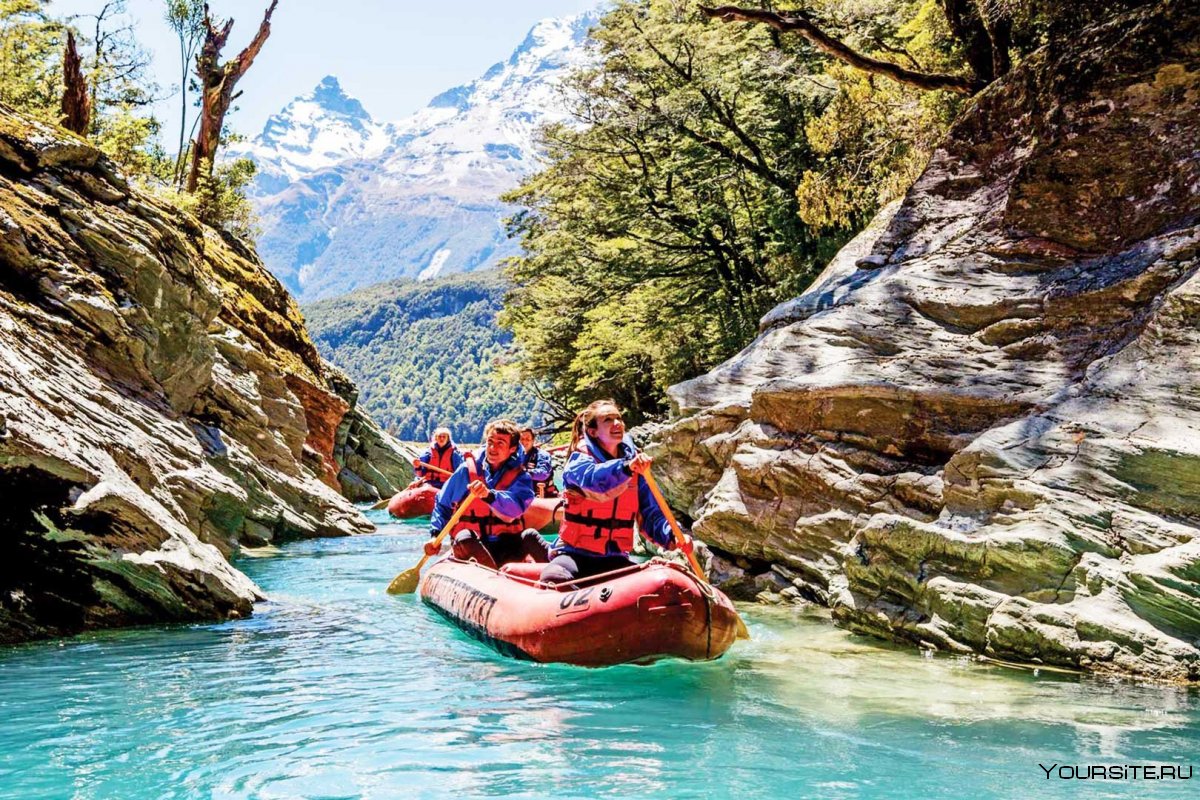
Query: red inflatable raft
(414, 501)
(417, 501)
(544, 514)
(641, 614)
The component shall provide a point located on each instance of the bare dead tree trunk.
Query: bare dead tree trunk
(216, 88)
(796, 22)
(76, 105)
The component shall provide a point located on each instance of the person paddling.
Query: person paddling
(499, 490)
(605, 494)
(442, 454)
(539, 465)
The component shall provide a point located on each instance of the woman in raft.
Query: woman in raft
(441, 454)
(539, 464)
(605, 494)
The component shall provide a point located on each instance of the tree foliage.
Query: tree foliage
(711, 172)
(186, 19)
(220, 197)
(425, 354)
(120, 92)
(31, 44)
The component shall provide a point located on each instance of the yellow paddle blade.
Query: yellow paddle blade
(742, 631)
(406, 582)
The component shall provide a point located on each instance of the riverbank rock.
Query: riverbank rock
(161, 401)
(372, 464)
(980, 429)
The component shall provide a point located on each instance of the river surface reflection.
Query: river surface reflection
(336, 690)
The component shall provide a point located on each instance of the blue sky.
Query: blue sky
(393, 56)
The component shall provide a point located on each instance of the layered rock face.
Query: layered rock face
(160, 403)
(980, 429)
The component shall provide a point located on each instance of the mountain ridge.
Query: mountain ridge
(346, 201)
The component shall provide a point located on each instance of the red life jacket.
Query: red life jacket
(479, 517)
(592, 520)
(441, 460)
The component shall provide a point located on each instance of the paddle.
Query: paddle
(406, 582)
(742, 631)
(438, 470)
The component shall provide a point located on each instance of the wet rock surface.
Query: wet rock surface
(162, 404)
(980, 429)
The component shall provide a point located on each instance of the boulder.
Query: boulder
(979, 430)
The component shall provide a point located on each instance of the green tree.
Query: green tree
(31, 45)
(117, 65)
(220, 197)
(702, 181)
(122, 91)
(186, 18)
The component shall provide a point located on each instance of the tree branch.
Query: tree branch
(724, 115)
(246, 57)
(841, 51)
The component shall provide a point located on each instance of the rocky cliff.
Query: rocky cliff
(160, 404)
(980, 430)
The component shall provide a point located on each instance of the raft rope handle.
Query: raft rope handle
(708, 601)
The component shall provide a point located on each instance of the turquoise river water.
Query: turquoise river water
(335, 689)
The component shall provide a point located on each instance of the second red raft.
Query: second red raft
(417, 500)
(414, 501)
(641, 614)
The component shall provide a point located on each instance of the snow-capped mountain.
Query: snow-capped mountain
(346, 201)
(318, 130)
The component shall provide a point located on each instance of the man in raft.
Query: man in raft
(539, 465)
(499, 490)
(605, 495)
(441, 454)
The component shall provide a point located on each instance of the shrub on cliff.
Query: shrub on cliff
(220, 198)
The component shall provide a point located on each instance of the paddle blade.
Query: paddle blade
(406, 582)
(742, 631)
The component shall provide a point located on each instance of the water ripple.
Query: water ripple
(336, 690)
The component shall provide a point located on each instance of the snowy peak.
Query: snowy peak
(329, 96)
(549, 39)
(325, 106)
(314, 131)
(483, 134)
(550, 46)
(550, 50)
(346, 201)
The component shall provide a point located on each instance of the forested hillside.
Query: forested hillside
(424, 353)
